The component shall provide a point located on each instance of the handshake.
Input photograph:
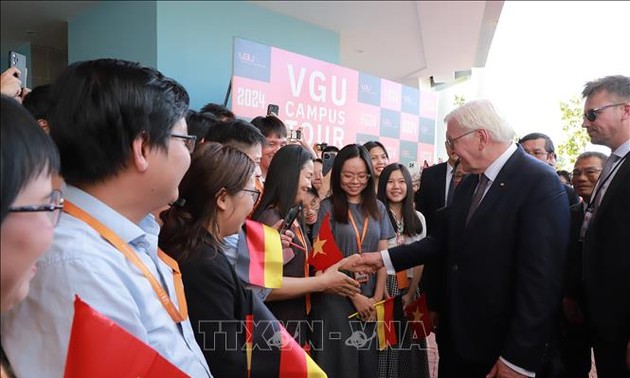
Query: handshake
(364, 263)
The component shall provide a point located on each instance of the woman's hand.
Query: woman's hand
(287, 237)
(10, 84)
(408, 299)
(364, 306)
(336, 282)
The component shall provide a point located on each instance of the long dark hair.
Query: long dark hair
(281, 184)
(193, 220)
(339, 198)
(413, 225)
(27, 151)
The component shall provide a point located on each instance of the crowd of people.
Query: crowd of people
(114, 191)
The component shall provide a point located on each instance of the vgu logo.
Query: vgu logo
(246, 57)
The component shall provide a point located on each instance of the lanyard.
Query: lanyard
(366, 222)
(126, 250)
(300, 235)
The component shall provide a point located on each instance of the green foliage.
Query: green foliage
(459, 101)
(577, 137)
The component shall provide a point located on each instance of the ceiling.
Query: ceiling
(410, 42)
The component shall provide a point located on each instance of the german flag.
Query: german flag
(101, 348)
(274, 352)
(259, 253)
(325, 251)
(388, 313)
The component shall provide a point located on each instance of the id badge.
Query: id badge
(361, 278)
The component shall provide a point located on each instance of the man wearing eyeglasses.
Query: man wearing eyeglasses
(124, 148)
(605, 230)
(541, 147)
(504, 246)
(575, 345)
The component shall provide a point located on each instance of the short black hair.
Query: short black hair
(219, 111)
(549, 148)
(38, 102)
(331, 148)
(27, 151)
(236, 131)
(270, 125)
(565, 174)
(100, 107)
(199, 123)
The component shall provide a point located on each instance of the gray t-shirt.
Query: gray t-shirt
(346, 237)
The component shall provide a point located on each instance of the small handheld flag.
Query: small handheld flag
(101, 348)
(325, 251)
(418, 318)
(259, 255)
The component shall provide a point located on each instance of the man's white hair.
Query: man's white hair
(480, 114)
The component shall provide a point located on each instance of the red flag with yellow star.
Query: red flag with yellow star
(325, 251)
(418, 318)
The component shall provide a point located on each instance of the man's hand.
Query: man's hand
(501, 370)
(369, 263)
(336, 282)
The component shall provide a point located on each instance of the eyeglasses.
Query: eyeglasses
(451, 142)
(362, 177)
(189, 141)
(538, 153)
(254, 193)
(591, 114)
(53, 208)
(313, 205)
(589, 172)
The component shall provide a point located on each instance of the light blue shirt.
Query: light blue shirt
(230, 250)
(35, 334)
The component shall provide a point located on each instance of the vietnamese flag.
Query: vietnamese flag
(325, 251)
(259, 255)
(418, 318)
(386, 322)
(101, 348)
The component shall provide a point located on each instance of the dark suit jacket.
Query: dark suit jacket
(430, 197)
(606, 265)
(218, 305)
(505, 268)
(573, 270)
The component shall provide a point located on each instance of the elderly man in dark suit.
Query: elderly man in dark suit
(504, 243)
(606, 240)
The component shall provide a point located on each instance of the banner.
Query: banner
(331, 103)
